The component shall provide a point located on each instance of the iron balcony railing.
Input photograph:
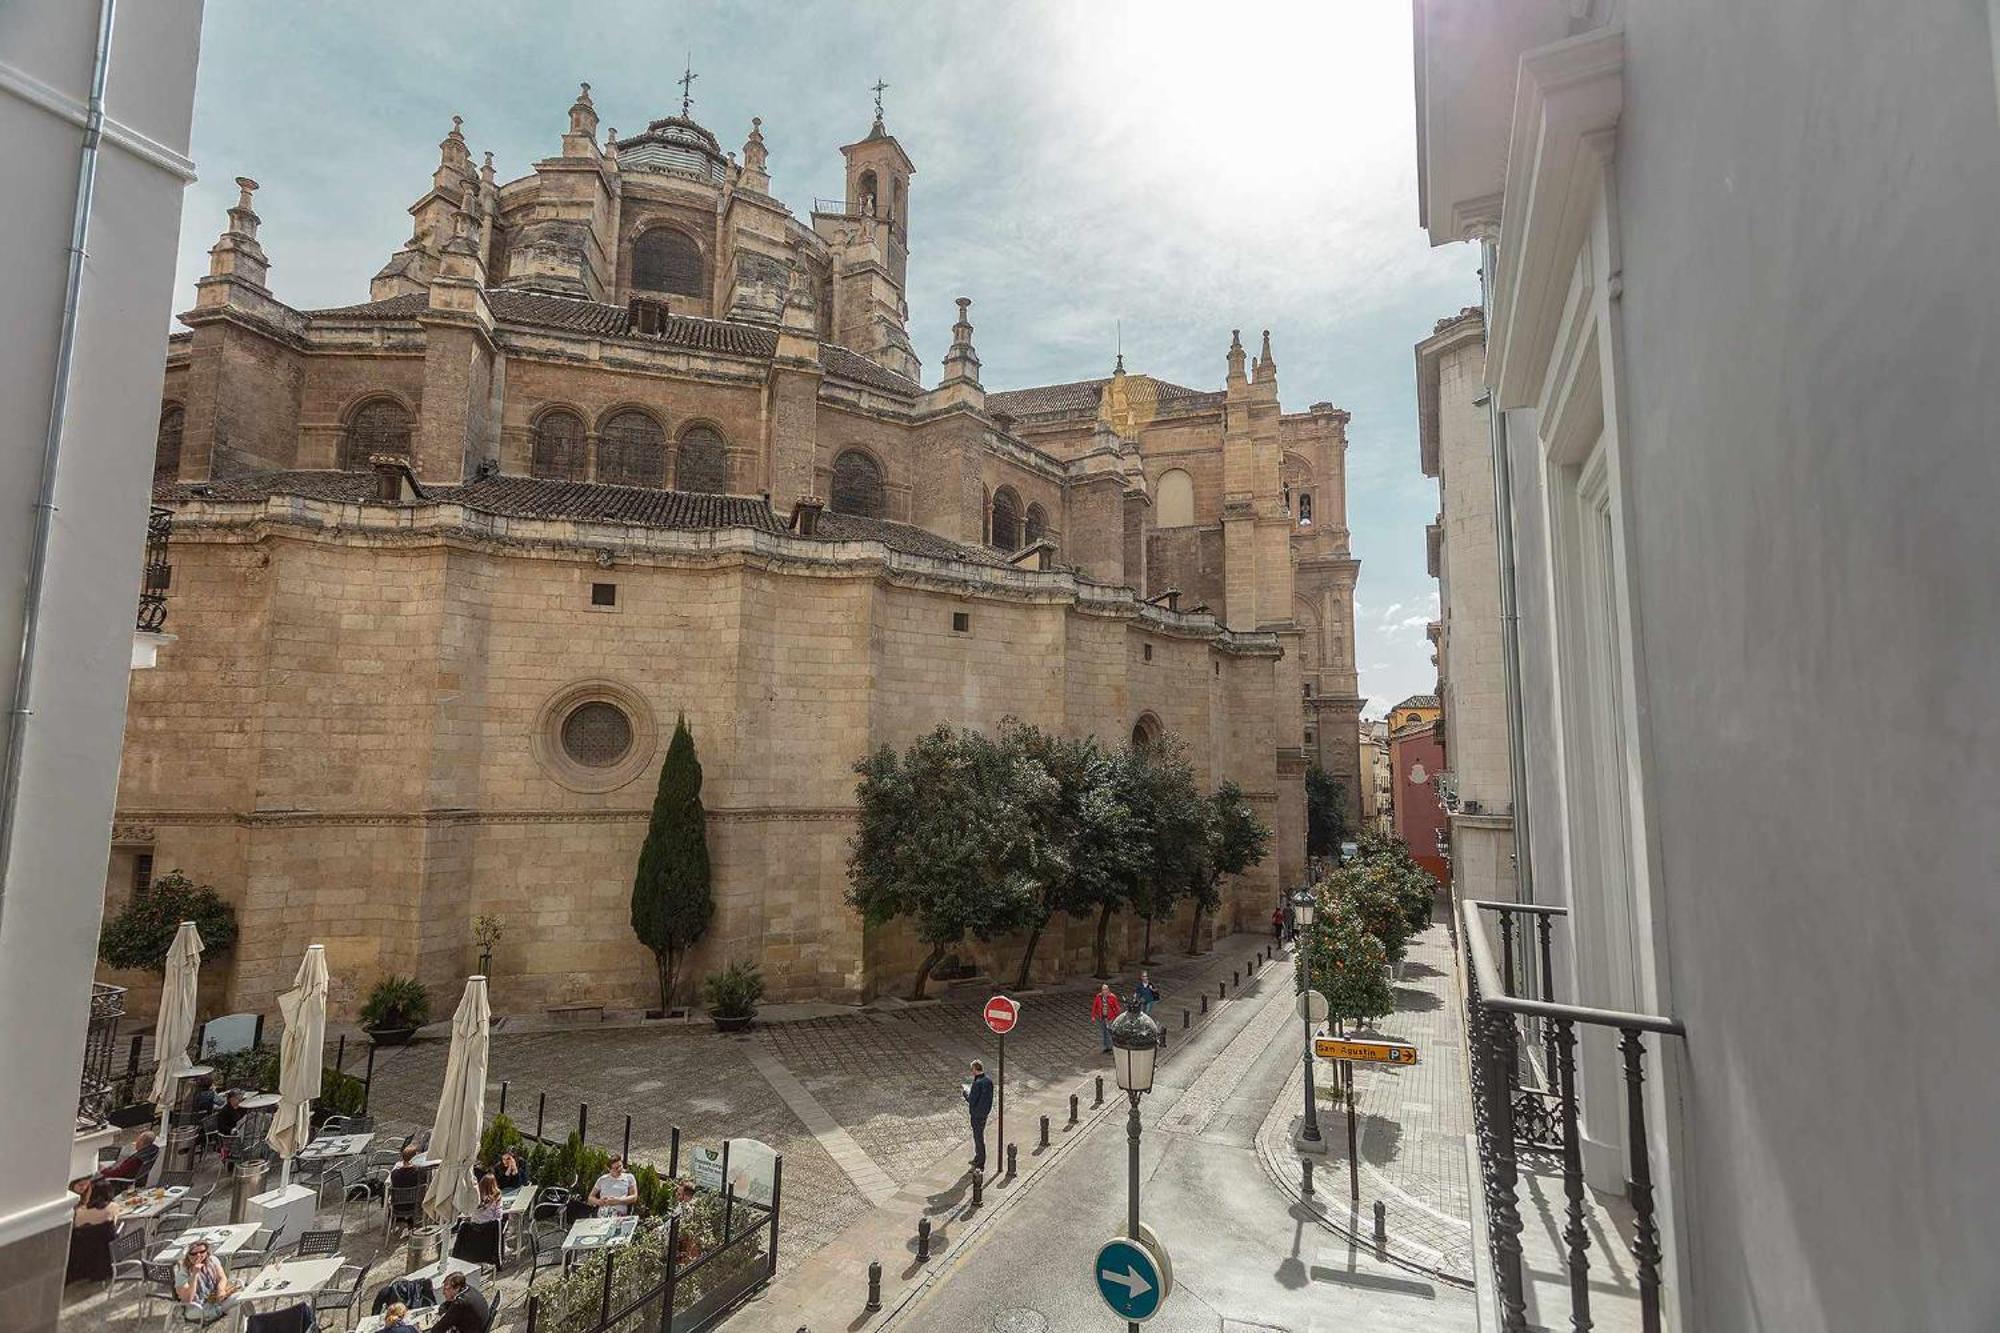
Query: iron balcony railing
(159, 572)
(107, 1006)
(1519, 1108)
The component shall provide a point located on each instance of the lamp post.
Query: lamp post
(1135, 1041)
(1303, 905)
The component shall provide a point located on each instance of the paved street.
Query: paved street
(1246, 1257)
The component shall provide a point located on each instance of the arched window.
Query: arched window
(1006, 520)
(701, 464)
(868, 192)
(632, 451)
(380, 426)
(1034, 526)
(1145, 731)
(558, 454)
(1173, 500)
(1305, 509)
(857, 485)
(667, 259)
(167, 444)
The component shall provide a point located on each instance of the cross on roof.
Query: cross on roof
(879, 87)
(687, 86)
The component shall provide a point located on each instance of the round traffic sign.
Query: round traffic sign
(1002, 1014)
(1131, 1278)
(1311, 1006)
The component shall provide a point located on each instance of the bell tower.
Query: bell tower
(870, 241)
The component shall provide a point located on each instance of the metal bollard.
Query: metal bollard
(874, 1285)
(978, 1179)
(1381, 1224)
(1204, 1002)
(1010, 1162)
(1235, 977)
(1045, 1133)
(1307, 1163)
(1100, 1091)
(1184, 1020)
(1072, 1108)
(1220, 991)
(923, 1240)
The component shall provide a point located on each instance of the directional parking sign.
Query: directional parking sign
(1132, 1281)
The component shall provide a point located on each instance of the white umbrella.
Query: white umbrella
(300, 1055)
(461, 1109)
(175, 1028)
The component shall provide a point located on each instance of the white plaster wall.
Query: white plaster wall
(49, 914)
(1476, 702)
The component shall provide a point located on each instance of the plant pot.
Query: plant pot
(654, 1015)
(733, 1023)
(391, 1036)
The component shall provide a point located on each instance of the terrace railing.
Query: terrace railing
(1530, 1106)
(158, 573)
(107, 1006)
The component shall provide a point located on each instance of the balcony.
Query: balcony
(1538, 1270)
(158, 574)
(107, 1006)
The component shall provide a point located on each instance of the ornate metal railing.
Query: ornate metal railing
(1517, 1105)
(159, 572)
(107, 1006)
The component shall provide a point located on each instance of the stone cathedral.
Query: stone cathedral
(626, 438)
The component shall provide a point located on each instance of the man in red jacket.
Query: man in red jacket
(1104, 1007)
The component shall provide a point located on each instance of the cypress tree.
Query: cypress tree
(671, 900)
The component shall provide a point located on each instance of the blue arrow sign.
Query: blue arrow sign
(1129, 1279)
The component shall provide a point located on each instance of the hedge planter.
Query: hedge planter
(391, 1036)
(733, 1022)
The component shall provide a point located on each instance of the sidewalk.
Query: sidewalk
(1412, 1125)
(828, 1289)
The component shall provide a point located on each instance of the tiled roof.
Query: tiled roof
(849, 365)
(538, 310)
(1418, 701)
(904, 537)
(1082, 396)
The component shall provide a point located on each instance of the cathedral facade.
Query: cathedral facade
(627, 439)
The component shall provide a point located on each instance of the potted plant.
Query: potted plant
(486, 932)
(732, 996)
(396, 1008)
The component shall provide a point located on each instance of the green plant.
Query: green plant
(1326, 813)
(397, 1002)
(1347, 964)
(1237, 841)
(340, 1094)
(500, 1136)
(142, 932)
(672, 903)
(255, 1068)
(487, 930)
(734, 991)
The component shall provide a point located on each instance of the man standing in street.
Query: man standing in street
(979, 1102)
(1104, 1007)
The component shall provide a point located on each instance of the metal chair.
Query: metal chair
(335, 1124)
(334, 1178)
(210, 1127)
(551, 1201)
(323, 1243)
(544, 1249)
(405, 1204)
(259, 1248)
(342, 1292)
(159, 1282)
(169, 1225)
(479, 1242)
(128, 1255)
(169, 1179)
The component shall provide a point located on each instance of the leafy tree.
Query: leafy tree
(1087, 832)
(672, 904)
(143, 931)
(1238, 840)
(1326, 813)
(945, 837)
(1156, 783)
(1346, 963)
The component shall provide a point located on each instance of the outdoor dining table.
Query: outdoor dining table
(333, 1146)
(223, 1241)
(260, 1101)
(143, 1205)
(291, 1280)
(421, 1319)
(592, 1234)
(435, 1273)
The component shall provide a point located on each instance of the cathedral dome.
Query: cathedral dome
(676, 144)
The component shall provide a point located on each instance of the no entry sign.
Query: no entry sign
(1001, 1015)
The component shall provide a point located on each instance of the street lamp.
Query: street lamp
(1135, 1043)
(1303, 905)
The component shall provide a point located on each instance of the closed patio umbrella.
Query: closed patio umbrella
(175, 1028)
(461, 1113)
(300, 1055)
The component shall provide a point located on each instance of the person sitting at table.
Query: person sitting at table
(136, 1165)
(463, 1310)
(94, 1224)
(201, 1281)
(492, 1208)
(204, 1099)
(615, 1191)
(230, 1114)
(406, 1172)
(395, 1317)
(509, 1172)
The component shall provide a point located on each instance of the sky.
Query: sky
(1168, 169)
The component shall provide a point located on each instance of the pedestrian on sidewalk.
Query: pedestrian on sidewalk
(1146, 996)
(1277, 925)
(1104, 1007)
(979, 1102)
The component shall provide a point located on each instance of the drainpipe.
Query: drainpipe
(1510, 621)
(20, 709)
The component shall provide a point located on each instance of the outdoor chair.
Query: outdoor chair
(334, 1124)
(552, 1201)
(334, 1178)
(128, 1255)
(323, 1243)
(406, 1205)
(478, 1242)
(109, 1155)
(292, 1319)
(544, 1249)
(493, 1311)
(168, 1179)
(169, 1225)
(210, 1128)
(342, 1293)
(360, 1124)
(159, 1284)
(200, 1316)
(258, 1249)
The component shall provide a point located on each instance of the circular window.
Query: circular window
(597, 734)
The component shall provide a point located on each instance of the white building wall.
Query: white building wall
(51, 897)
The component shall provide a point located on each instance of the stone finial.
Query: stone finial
(245, 187)
(237, 254)
(962, 361)
(486, 172)
(1267, 365)
(754, 153)
(583, 114)
(1235, 356)
(1118, 366)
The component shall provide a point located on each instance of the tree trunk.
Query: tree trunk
(1103, 931)
(1194, 931)
(1146, 954)
(666, 978)
(1028, 954)
(924, 972)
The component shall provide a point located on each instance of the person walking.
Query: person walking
(1278, 925)
(1146, 996)
(1104, 1007)
(979, 1103)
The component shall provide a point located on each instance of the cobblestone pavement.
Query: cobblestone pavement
(1412, 1126)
